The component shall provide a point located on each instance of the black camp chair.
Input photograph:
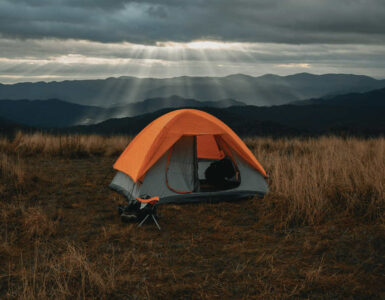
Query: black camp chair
(140, 210)
(149, 210)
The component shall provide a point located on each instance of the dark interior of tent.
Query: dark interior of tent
(217, 175)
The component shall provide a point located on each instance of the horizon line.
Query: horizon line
(200, 76)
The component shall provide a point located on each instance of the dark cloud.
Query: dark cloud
(64, 39)
(49, 59)
(149, 21)
(51, 50)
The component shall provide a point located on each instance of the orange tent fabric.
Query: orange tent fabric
(161, 134)
(207, 147)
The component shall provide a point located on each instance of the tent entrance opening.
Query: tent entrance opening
(217, 175)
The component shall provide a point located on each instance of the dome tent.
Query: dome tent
(165, 159)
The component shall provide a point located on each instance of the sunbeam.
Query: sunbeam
(53, 59)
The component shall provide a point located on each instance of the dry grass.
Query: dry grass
(66, 275)
(70, 146)
(11, 171)
(319, 233)
(36, 223)
(314, 180)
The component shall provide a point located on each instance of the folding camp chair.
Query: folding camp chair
(148, 207)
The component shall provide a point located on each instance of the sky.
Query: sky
(47, 40)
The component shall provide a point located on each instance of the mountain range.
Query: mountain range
(355, 112)
(282, 120)
(371, 98)
(266, 90)
(58, 113)
(8, 127)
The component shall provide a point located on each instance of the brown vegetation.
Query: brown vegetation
(69, 146)
(11, 171)
(316, 180)
(320, 232)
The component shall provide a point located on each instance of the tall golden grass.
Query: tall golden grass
(11, 169)
(70, 146)
(317, 179)
(311, 179)
(53, 276)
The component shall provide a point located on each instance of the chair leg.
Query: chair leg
(153, 217)
(144, 220)
(156, 222)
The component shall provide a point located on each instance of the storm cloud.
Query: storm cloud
(149, 21)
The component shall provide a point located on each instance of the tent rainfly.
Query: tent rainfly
(171, 157)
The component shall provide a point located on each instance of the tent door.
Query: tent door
(218, 171)
(181, 169)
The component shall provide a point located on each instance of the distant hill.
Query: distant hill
(48, 113)
(58, 113)
(372, 98)
(281, 120)
(265, 90)
(355, 113)
(8, 127)
(154, 104)
(243, 124)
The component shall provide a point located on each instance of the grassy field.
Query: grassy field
(319, 233)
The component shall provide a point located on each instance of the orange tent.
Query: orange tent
(161, 134)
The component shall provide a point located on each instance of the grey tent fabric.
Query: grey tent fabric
(181, 169)
(181, 174)
(251, 179)
(124, 185)
(202, 166)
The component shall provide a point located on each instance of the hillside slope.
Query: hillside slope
(276, 121)
(371, 98)
(58, 113)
